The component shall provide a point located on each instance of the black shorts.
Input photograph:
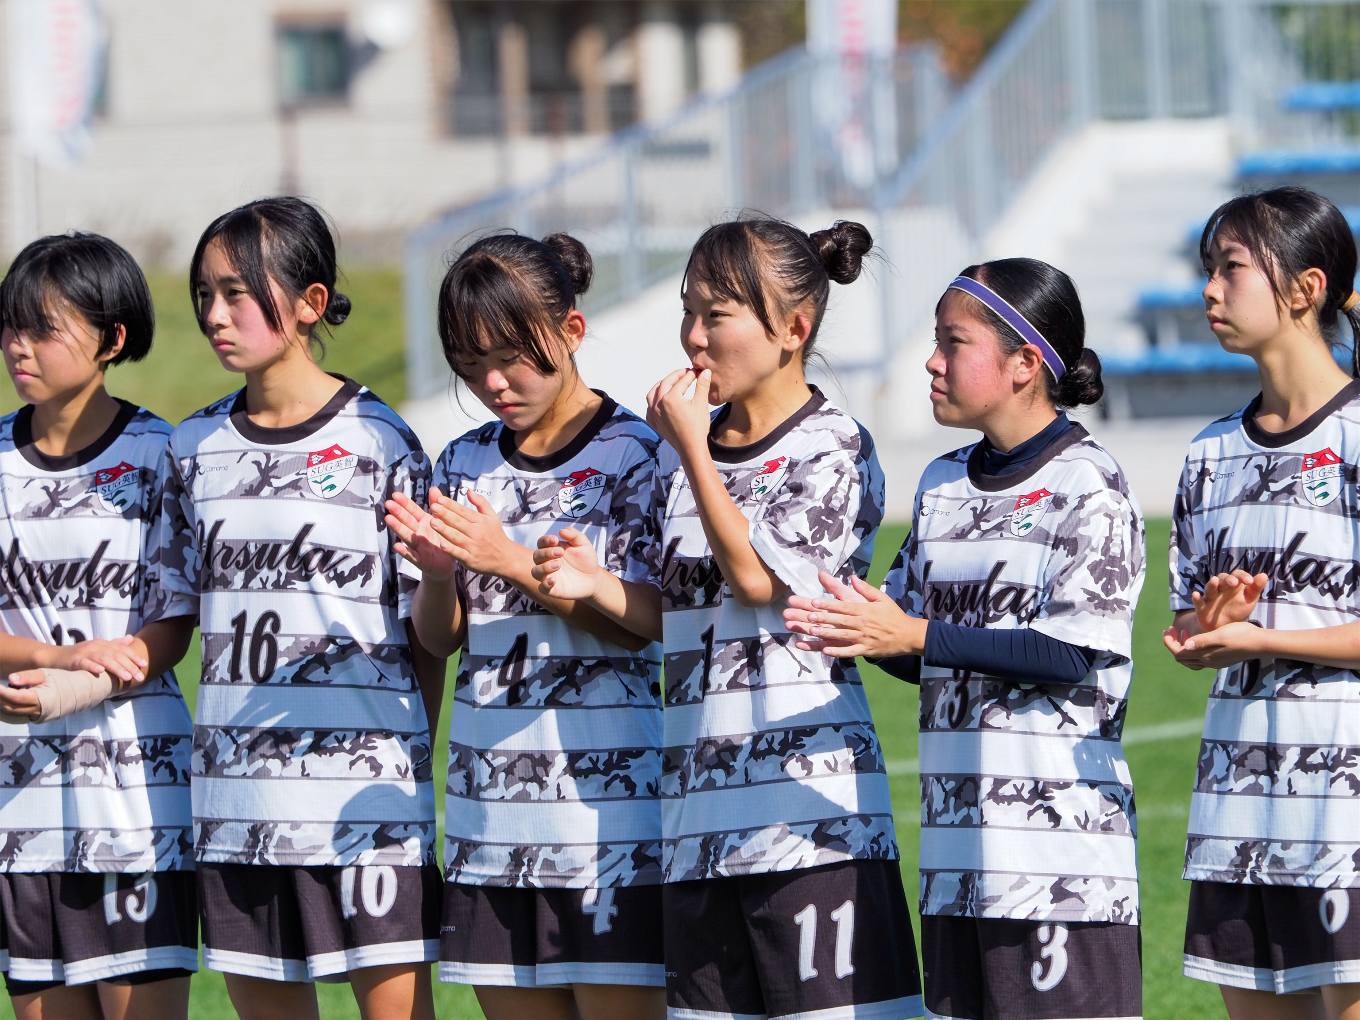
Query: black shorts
(1272, 938)
(832, 941)
(979, 968)
(529, 938)
(314, 923)
(71, 928)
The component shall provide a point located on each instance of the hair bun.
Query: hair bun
(1081, 383)
(337, 308)
(575, 260)
(842, 248)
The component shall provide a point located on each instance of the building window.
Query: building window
(545, 68)
(314, 64)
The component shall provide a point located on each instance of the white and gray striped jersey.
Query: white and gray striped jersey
(555, 739)
(1274, 800)
(105, 789)
(772, 762)
(310, 745)
(1026, 800)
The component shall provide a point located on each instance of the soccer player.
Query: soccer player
(1265, 558)
(98, 918)
(783, 893)
(552, 904)
(1012, 602)
(313, 801)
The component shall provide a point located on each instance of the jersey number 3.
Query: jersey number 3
(1053, 938)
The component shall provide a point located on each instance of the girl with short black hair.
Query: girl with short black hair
(313, 794)
(552, 900)
(98, 916)
(1264, 561)
(1011, 603)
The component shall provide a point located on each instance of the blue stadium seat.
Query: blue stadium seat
(1339, 159)
(1322, 95)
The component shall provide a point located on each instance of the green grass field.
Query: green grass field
(182, 374)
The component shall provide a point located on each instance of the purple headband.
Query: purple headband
(1013, 318)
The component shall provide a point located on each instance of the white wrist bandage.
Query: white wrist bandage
(66, 691)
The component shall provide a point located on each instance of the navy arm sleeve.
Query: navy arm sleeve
(1022, 654)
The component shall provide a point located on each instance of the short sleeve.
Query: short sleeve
(1094, 573)
(809, 523)
(1185, 557)
(632, 551)
(410, 475)
(173, 559)
(901, 584)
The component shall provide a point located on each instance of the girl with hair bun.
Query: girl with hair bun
(312, 787)
(1011, 603)
(783, 893)
(1265, 557)
(552, 899)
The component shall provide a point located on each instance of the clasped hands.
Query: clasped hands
(1222, 637)
(857, 619)
(125, 665)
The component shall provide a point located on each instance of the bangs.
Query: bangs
(1247, 223)
(726, 258)
(241, 235)
(484, 306)
(30, 300)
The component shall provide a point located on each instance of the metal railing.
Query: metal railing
(936, 176)
(642, 200)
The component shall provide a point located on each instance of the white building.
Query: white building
(385, 112)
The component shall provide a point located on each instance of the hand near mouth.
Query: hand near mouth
(683, 422)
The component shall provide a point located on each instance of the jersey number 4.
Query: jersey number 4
(806, 919)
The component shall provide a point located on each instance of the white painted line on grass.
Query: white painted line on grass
(1173, 730)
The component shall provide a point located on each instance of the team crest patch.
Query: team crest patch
(1028, 509)
(1321, 476)
(769, 476)
(117, 486)
(329, 471)
(580, 492)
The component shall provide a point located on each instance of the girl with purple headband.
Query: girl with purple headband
(1011, 603)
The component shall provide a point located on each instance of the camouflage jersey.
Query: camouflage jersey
(310, 743)
(107, 788)
(772, 762)
(555, 740)
(1026, 801)
(1279, 764)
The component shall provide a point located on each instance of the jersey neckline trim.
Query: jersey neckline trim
(549, 461)
(292, 433)
(738, 454)
(1276, 440)
(996, 483)
(28, 449)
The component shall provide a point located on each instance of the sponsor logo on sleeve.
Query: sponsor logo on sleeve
(1028, 509)
(1321, 477)
(581, 492)
(767, 479)
(117, 486)
(330, 470)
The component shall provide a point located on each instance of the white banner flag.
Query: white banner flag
(56, 59)
(853, 105)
